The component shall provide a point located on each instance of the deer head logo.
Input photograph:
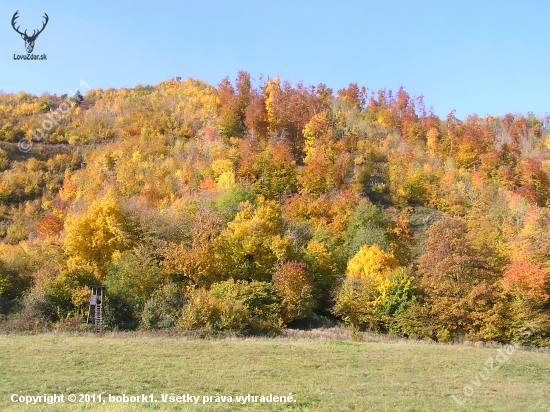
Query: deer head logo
(29, 40)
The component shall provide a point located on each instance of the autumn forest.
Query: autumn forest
(251, 206)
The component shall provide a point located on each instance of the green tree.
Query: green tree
(323, 268)
(133, 277)
(376, 302)
(369, 225)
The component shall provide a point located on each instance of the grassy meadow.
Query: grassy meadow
(322, 374)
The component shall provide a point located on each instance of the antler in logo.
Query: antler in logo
(29, 40)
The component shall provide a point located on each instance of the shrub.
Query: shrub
(260, 298)
(293, 285)
(118, 314)
(242, 307)
(37, 314)
(70, 291)
(376, 304)
(38, 306)
(162, 309)
(134, 278)
(12, 285)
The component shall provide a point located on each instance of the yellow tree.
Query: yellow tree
(371, 263)
(192, 259)
(93, 237)
(375, 290)
(274, 105)
(252, 243)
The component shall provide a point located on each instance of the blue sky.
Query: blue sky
(483, 57)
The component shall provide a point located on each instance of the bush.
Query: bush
(242, 307)
(12, 285)
(119, 314)
(162, 309)
(70, 291)
(37, 314)
(134, 278)
(376, 304)
(293, 284)
(38, 306)
(229, 200)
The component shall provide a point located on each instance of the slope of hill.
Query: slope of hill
(247, 208)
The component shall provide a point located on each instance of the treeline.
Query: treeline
(249, 207)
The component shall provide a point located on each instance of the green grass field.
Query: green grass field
(321, 374)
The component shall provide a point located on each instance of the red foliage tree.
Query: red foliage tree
(293, 284)
(525, 279)
(50, 225)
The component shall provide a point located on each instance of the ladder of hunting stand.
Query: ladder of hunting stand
(99, 317)
(96, 302)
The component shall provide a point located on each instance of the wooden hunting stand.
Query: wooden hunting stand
(96, 301)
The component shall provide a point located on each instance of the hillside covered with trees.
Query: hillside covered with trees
(248, 207)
